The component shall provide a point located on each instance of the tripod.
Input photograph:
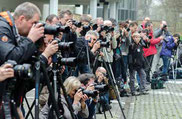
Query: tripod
(8, 103)
(113, 81)
(175, 63)
(53, 100)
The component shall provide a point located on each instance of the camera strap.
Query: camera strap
(6, 106)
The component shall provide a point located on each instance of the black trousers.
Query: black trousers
(149, 60)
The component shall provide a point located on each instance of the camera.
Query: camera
(54, 30)
(77, 24)
(104, 44)
(89, 93)
(103, 28)
(94, 26)
(65, 45)
(71, 61)
(21, 71)
(164, 26)
(86, 28)
(101, 88)
(110, 29)
(106, 28)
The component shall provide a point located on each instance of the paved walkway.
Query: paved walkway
(158, 104)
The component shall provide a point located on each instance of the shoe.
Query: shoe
(143, 92)
(135, 93)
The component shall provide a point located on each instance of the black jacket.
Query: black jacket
(81, 52)
(136, 58)
(12, 46)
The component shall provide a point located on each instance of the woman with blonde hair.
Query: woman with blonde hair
(75, 97)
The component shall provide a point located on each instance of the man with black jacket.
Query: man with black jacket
(12, 45)
(137, 63)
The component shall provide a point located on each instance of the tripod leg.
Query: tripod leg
(113, 83)
(14, 110)
(110, 113)
(29, 107)
(105, 115)
(37, 81)
(30, 110)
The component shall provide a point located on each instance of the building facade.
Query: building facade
(118, 9)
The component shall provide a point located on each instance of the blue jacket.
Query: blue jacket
(167, 46)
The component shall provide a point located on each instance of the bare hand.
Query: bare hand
(6, 71)
(51, 49)
(78, 96)
(96, 46)
(161, 37)
(90, 87)
(36, 32)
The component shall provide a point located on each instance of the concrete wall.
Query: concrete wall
(10, 5)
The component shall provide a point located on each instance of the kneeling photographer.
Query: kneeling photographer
(87, 81)
(76, 99)
(101, 79)
(168, 45)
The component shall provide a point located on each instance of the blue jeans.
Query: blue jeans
(105, 98)
(166, 62)
(125, 58)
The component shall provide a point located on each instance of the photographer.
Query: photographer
(6, 71)
(16, 47)
(87, 81)
(12, 46)
(137, 63)
(162, 31)
(107, 35)
(151, 50)
(121, 52)
(76, 98)
(86, 50)
(101, 74)
(167, 47)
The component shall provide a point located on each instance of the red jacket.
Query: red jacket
(152, 49)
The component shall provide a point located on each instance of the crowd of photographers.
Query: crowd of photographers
(88, 55)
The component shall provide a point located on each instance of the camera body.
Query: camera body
(89, 93)
(55, 30)
(101, 87)
(21, 71)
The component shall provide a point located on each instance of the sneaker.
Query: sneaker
(143, 92)
(135, 93)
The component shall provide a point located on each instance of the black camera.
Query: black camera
(164, 26)
(107, 29)
(89, 93)
(104, 44)
(94, 26)
(65, 45)
(103, 28)
(71, 61)
(21, 71)
(101, 88)
(54, 30)
(128, 29)
(85, 29)
(76, 23)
